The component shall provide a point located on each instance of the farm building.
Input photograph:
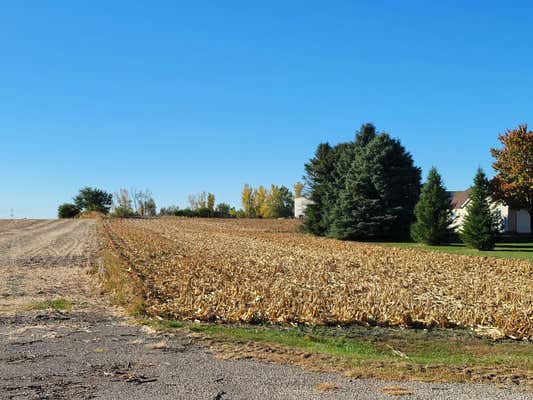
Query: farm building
(300, 204)
(513, 220)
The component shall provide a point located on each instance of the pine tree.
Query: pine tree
(433, 213)
(380, 191)
(365, 189)
(319, 175)
(366, 134)
(480, 225)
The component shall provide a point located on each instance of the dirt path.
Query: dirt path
(92, 352)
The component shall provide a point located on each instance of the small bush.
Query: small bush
(68, 210)
(122, 212)
(204, 212)
(221, 211)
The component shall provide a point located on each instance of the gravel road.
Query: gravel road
(92, 352)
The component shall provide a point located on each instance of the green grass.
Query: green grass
(170, 324)
(502, 250)
(56, 304)
(297, 339)
(357, 346)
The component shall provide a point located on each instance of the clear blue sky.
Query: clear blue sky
(181, 97)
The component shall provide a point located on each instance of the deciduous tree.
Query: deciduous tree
(285, 204)
(513, 184)
(150, 208)
(123, 204)
(223, 210)
(93, 199)
(260, 202)
(298, 189)
(248, 201)
(198, 201)
(67, 210)
(211, 202)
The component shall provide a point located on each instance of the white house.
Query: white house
(300, 204)
(513, 221)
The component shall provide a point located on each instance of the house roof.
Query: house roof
(458, 199)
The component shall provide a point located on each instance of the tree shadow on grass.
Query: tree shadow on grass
(514, 247)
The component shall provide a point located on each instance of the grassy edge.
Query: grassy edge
(122, 287)
(357, 358)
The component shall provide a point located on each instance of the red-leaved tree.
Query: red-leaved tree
(513, 184)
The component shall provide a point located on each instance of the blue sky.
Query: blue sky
(181, 97)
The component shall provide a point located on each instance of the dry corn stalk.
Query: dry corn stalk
(263, 270)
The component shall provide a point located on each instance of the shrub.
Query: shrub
(203, 212)
(171, 210)
(67, 210)
(223, 210)
(123, 205)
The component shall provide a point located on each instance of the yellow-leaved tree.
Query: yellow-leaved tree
(298, 189)
(211, 201)
(261, 202)
(248, 201)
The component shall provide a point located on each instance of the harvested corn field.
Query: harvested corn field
(264, 270)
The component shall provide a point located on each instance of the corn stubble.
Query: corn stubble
(265, 271)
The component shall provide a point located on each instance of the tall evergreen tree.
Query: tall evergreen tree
(380, 191)
(365, 189)
(366, 134)
(480, 225)
(319, 175)
(433, 213)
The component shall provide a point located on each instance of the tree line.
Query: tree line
(365, 189)
(370, 189)
(201, 205)
(138, 203)
(276, 202)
